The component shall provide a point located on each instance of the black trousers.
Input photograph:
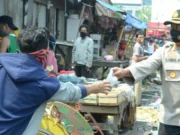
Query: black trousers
(168, 130)
(81, 71)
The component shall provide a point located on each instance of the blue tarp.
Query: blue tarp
(131, 20)
(134, 22)
(110, 7)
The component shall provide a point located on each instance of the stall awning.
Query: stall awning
(105, 9)
(134, 22)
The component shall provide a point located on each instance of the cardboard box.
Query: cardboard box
(91, 100)
(114, 98)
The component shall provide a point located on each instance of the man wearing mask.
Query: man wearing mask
(167, 58)
(7, 28)
(138, 55)
(82, 53)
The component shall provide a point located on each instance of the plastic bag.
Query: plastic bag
(111, 78)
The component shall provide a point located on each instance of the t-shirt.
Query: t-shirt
(13, 46)
(138, 50)
(150, 48)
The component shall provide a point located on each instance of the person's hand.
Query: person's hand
(118, 72)
(100, 87)
(146, 57)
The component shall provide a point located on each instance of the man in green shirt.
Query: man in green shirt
(7, 27)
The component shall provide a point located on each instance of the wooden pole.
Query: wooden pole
(81, 16)
(129, 43)
(30, 12)
(120, 37)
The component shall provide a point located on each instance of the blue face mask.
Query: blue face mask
(175, 35)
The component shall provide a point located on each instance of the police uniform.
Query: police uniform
(167, 58)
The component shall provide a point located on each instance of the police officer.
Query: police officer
(167, 58)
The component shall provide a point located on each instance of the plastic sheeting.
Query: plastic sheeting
(134, 22)
(105, 9)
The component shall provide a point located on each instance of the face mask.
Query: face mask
(83, 34)
(175, 35)
(2, 34)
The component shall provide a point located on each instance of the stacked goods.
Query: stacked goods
(92, 99)
(113, 98)
(148, 114)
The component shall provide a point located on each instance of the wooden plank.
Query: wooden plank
(6, 7)
(18, 19)
(60, 35)
(99, 109)
(117, 118)
(103, 63)
(2, 7)
(45, 2)
(30, 12)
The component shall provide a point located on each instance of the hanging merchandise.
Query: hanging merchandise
(122, 48)
(107, 23)
(88, 15)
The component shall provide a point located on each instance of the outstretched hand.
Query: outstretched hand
(121, 72)
(101, 87)
(118, 72)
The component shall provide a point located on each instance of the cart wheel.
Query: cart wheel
(44, 132)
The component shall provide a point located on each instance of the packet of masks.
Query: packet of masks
(112, 79)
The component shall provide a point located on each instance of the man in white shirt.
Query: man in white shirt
(82, 53)
(138, 55)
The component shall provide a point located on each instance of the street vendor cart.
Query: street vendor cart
(114, 105)
(79, 118)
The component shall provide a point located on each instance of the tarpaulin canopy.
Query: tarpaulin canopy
(105, 9)
(134, 22)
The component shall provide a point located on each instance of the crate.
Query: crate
(114, 98)
(92, 99)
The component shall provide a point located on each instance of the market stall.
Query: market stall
(133, 25)
(80, 117)
(107, 37)
(109, 106)
(113, 46)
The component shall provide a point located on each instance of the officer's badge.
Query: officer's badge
(175, 15)
(172, 74)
